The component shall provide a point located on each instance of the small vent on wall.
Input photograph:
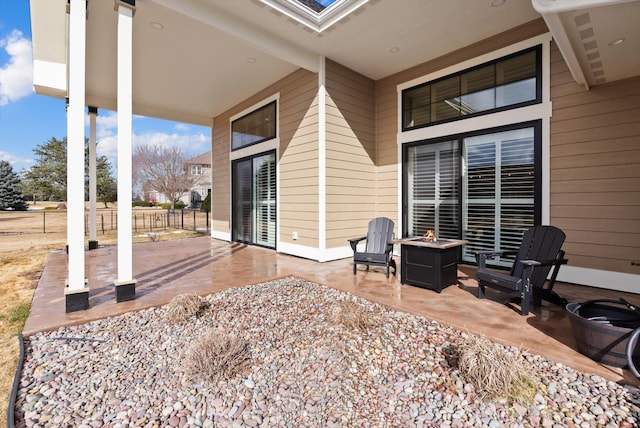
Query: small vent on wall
(582, 19)
(597, 64)
(590, 45)
(586, 34)
(593, 55)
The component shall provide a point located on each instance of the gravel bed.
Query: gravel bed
(305, 369)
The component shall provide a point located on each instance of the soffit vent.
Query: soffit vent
(582, 19)
(586, 34)
(593, 56)
(590, 46)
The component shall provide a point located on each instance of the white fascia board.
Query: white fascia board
(50, 78)
(109, 103)
(267, 42)
(555, 6)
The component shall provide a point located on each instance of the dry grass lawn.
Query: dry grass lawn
(24, 249)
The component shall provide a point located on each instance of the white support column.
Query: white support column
(125, 284)
(76, 292)
(93, 239)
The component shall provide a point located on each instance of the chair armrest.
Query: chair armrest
(483, 256)
(553, 262)
(354, 242)
(389, 248)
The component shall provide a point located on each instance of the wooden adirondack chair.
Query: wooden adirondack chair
(538, 254)
(378, 246)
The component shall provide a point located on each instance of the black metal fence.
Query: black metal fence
(143, 220)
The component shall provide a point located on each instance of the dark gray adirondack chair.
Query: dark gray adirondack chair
(538, 254)
(378, 247)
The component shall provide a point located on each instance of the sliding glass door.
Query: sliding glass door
(483, 187)
(254, 200)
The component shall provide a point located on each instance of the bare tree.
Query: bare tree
(162, 169)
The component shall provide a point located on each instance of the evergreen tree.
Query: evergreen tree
(106, 186)
(206, 204)
(10, 192)
(47, 178)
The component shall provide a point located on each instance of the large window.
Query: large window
(509, 82)
(483, 187)
(255, 127)
(254, 200)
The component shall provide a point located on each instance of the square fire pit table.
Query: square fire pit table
(428, 264)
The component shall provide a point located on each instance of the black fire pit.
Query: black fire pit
(602, 329)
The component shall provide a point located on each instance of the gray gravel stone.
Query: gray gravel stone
(306, 369)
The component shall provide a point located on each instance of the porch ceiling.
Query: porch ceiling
(194, 59)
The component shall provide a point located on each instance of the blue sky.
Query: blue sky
(27, 119)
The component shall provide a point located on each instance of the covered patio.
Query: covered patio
(204, 265)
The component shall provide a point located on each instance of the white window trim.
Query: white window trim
(263, 146)
(542, 111)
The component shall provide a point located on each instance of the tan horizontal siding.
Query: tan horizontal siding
(299, 161)
(595, 170)
(350, 153)
(297, 128)
(624, 217)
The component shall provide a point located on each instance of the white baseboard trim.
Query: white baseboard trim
(223, 236)
(313, 253)
(618, 281)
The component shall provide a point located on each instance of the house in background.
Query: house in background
(199, 168)
(475, 118)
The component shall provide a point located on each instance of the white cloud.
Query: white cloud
(193, 144)
(190, 142)
(17, 162)
(16, 76)
(107, 122)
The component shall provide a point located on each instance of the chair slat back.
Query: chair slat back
(538, 243)
(379, 234)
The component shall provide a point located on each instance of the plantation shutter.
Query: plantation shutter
(265, 199)
(433, 197)
(242, 206)
(498, 189)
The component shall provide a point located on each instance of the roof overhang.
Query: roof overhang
(195, 59)
(49, 29)
(597, 38)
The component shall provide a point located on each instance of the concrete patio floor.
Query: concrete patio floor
(164, 269)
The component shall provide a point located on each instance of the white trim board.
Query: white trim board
(619, 281)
